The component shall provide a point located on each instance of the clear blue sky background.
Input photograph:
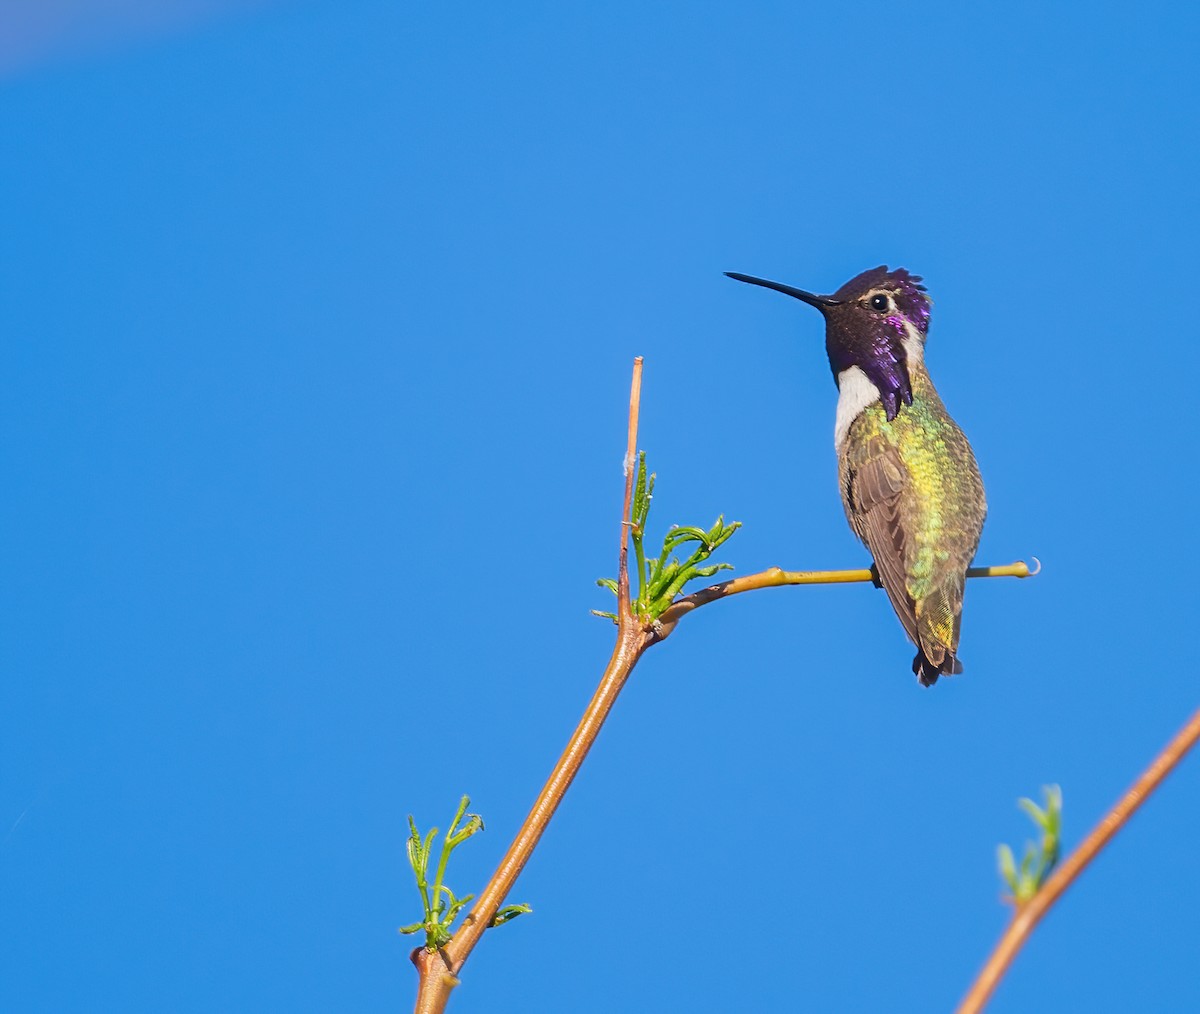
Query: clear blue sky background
(318, 321)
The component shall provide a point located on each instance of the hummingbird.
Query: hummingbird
(908, 478)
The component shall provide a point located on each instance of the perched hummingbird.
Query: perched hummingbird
(908, 477)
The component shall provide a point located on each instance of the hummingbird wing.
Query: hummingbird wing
(872, 489)
(875, 485)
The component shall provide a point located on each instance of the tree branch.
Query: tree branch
(439, 971)
(625, 618)
(1030, 914)
(774, 577)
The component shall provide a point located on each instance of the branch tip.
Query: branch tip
(635, 403)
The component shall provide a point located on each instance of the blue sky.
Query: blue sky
(319, 320)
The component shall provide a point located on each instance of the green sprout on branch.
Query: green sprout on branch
(1037, 862)
(661, 579)
(440, 912)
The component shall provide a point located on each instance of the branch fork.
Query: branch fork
(641, 623)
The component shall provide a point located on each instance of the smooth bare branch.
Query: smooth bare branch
(776, 577)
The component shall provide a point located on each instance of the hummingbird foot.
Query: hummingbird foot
(875, 576)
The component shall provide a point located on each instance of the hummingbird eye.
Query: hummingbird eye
(880, 302)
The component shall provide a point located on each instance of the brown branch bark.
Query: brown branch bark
(624, 613)
(1030, 914)
(439, 972)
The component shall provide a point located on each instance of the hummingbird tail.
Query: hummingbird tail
(927, 670)
(939, 618)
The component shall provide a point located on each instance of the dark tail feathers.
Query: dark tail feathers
(927, 671)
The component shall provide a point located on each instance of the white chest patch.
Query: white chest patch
(855, 394)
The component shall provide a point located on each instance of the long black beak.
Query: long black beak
(820, 302)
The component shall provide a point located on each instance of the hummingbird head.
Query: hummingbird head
(877, 321)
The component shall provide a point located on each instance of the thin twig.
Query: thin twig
(1029, 914)
(625, 619)
(439, 972)
(774, 577)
